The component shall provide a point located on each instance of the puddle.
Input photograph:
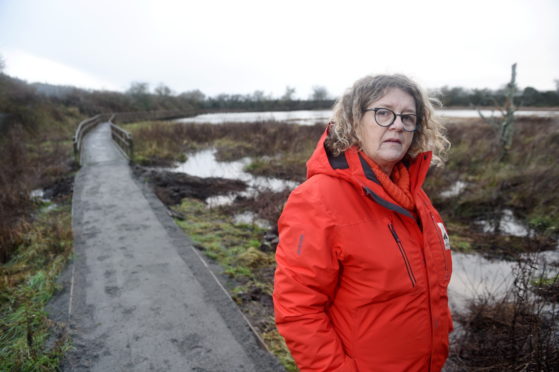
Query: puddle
(474, 276)
(37, 194)
(508, 225)
(455, 190)
(203, 164)
(251, 219)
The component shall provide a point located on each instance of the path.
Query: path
(141, 298)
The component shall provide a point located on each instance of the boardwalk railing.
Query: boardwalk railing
(124, 141)
(84, 127)
(121, 137)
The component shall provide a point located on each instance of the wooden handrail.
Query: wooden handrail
(84, 127)
(121, 137)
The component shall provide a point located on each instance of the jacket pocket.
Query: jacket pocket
(404, 255)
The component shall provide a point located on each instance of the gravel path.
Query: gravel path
(137, 296)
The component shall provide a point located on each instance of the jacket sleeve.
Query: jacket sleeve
(305, 283)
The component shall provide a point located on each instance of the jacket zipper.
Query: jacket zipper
(439, 232)
(403, 253)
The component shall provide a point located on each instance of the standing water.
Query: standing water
(203, 164)
(308, 117)
(472, 276)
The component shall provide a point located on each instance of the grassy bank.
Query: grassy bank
(35, 236)
(247, 260)
(27, 336)
(35, 244)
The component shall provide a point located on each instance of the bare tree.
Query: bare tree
(138, 88)
(139, 91)
(319, 93)
(163, 91)
(193, 95)
(289, 93)
(504, 125)
(258, 96)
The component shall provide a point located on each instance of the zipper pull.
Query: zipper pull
(393, 231)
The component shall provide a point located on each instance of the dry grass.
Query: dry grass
(164, 140)
(15, 188)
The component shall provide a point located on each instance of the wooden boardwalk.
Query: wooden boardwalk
(139, 296)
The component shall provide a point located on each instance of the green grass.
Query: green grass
(28, 282)
(235, 247)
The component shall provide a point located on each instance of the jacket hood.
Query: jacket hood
(352, 166)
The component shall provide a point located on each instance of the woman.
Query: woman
(363, 262)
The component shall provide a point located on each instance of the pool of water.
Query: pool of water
(204, 164)
(472, 275)
(311, 117)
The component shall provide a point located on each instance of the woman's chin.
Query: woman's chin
(390, 156)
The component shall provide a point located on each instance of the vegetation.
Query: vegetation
(37, 123)
(527, 97)
(237, 247)
(517, 332)
(523, 184)
(35, 237)
(163, 143)
(29, 341)
(35, 148)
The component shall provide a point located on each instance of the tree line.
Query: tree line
(21, 100)
(139, 96)
(529, 96)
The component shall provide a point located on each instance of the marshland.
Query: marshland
(502, 213)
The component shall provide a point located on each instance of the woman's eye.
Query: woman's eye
(409, 119)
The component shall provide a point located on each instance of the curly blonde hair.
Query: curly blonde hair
(349, 109)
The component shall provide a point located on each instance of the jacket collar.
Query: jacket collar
(352, 167)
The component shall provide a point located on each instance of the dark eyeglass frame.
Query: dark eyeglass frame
(394, 116)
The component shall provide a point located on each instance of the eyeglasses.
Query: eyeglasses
(386, 117)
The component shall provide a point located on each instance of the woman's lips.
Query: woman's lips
(393, 140)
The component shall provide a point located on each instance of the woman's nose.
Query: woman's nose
(397, 124)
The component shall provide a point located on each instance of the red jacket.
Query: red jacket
(361, 284)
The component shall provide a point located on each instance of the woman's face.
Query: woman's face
(387, 145)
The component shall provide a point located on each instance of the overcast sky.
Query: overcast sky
(240, 46)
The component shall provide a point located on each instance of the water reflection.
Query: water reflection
(508, 225)
(311, 117)
(203, 164)
(302, 117)
(473, 276)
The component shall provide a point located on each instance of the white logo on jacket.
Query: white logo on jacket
(446, 239)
